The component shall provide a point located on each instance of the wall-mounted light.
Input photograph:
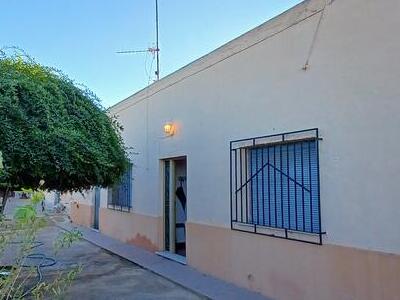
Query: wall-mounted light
(169, 129)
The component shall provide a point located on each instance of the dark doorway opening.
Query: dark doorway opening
(96, 213)
(175, 206)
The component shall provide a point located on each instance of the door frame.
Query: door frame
(172, 200)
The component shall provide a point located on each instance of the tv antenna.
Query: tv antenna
(153, 50)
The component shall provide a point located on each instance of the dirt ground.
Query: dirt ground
(104, 275)
(107, 276)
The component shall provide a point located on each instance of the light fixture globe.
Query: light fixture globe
(168, 129)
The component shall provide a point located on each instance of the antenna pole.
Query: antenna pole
(157, 48)
(153, 50)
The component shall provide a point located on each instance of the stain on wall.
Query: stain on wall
(144, 242)
(133, 228)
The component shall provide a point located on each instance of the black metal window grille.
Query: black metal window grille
(120, 195)
(275, 185)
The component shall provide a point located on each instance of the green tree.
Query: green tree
(54, 131)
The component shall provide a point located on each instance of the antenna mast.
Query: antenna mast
(157, 48)
(154, 50)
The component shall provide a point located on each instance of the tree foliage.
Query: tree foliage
(55, 131)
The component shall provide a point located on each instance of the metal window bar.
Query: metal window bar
(120, 195)
(275, 186)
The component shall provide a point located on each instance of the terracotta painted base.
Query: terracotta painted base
(279, 269)
(81, 214)
(140, 230)
(283, 269)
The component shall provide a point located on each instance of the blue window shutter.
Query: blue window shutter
(120, 196)
(285, 186)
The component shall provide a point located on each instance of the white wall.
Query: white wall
(83, 198)
(350, 92)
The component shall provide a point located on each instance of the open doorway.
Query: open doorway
(175, 208)
(180, 207)
(96, 213)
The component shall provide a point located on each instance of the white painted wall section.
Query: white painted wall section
(350, 92)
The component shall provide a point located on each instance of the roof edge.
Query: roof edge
(270, 28)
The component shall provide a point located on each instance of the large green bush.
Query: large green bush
(54, 130)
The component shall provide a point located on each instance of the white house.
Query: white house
(273, 161)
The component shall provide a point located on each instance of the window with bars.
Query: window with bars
(275, 188)
(120, 195)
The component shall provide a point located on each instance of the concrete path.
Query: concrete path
(106, 276)
(183, 275)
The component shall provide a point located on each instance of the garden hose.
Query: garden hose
(42, 261)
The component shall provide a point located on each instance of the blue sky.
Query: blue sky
(81, 37)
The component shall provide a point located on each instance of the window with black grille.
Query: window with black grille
(120, 195)
(275, 187)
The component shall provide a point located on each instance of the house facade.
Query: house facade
(272, 162)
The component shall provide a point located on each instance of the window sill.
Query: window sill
(300, 236)
(119, 208)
